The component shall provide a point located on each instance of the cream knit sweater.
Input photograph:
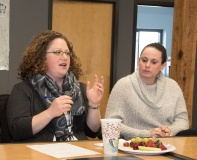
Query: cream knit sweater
(143, 107)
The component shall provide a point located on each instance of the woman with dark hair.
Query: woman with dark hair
(50, 104)
(149, 104)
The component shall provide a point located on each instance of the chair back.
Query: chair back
(187, 132)
(5, 136)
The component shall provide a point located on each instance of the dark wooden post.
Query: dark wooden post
(183, 56)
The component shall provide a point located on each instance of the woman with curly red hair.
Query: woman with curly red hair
(50, 104)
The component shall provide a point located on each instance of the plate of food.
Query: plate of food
(145, 146)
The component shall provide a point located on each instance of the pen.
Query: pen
(47, 97)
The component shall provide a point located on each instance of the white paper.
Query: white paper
(62, 150)
(4, 34)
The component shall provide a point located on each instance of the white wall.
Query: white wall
(151, 17)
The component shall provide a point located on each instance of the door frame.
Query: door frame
(163, 3)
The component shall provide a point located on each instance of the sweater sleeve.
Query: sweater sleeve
(180, 121)
(118, 107)
(19, 115)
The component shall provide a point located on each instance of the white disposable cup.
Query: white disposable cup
(110, 134)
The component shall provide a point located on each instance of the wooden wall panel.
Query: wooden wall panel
(183, 57)
(88, 26)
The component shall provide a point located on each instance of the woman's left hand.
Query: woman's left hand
(166, 131)
(95, 93)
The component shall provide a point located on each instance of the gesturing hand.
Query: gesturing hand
(95, 93)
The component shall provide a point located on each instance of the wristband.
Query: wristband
(93, 107)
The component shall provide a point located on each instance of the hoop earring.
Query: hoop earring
(158, 75)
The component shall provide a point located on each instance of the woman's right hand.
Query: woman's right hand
(60, 105)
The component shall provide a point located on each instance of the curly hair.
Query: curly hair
(34, 56)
